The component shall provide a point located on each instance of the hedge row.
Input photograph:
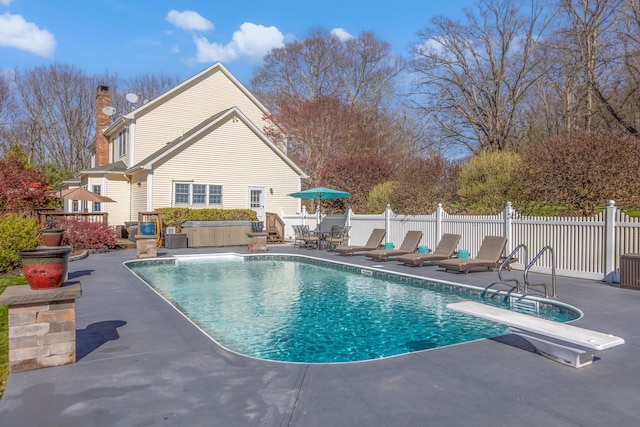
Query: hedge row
(174, 217)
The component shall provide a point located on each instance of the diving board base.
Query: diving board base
(575, 357)
(561, 342)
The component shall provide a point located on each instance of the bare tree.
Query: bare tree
(472, 78)
(330, 98)
(366, 71)
(5, 114)
(361, 70)
(591, 34)
(54, 113)
(56, 121)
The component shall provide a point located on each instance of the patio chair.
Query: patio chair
(489, 256)
(409, 245)
(374, 242)
(309, 238)
(444, 250)
(297, 236)
(338, 236)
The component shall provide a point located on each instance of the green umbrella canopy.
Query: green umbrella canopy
(321, 193)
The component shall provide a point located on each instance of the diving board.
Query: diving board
(561, 342)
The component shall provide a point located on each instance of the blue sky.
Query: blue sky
(180, 38)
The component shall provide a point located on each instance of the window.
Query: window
(215, 194)
(182, 193)
(97, 207)
(197, 194)
(122, 142)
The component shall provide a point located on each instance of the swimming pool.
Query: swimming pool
(300, 309)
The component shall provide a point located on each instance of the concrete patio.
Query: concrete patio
(141, 363)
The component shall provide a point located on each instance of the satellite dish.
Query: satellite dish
(132, 97)
(109, 111)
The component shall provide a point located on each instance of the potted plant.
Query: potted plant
(148, 228)
(45, 268)
(51, 235)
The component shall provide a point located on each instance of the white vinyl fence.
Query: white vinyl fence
(583, 247)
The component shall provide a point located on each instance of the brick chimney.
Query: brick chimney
(103, 99)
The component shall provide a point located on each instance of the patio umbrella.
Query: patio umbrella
(82, 194)
(321, 193)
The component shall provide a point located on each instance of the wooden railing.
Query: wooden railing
(102, 217)
(274, 228)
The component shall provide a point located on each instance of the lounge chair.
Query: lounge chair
(409, 245)
(489, 256)
(374, 242)
(444, 250)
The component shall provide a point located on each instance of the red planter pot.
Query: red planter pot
(51, 236)
(45, 268)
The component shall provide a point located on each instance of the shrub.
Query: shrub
(423, 183)
(81, 234)
(488, 181)
(17, 233)
(357, 175)
(582, 171)
(23, 187)
(380, 197)
(174, 217)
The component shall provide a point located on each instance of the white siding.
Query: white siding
(138, 194)
(236, 158)
(118, 190)
(185, 110)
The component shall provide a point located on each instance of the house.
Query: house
(199, 145)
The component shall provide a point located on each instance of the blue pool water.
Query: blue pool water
(302, 310)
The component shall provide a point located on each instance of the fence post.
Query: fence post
(439, 211)
(508, 229)
(304, 213)
(348, 223)
(387, 222)
(610, 236)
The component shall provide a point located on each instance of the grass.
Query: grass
(4, 329)
(633, 213)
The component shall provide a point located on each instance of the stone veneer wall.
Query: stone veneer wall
(42, 326)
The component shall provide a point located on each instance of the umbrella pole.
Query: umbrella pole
(320, 214)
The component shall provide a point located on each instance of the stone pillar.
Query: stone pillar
(146, 246)
(42, 326)
(257, 242)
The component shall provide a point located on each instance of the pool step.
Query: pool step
(525, 305)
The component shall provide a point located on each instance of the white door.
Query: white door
(256, 201)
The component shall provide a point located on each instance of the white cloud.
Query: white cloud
(23, 35)
(5, 2)
(189, 20)
(250, 42)
(341, 33)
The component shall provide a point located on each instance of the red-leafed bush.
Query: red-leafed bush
(23, 187)
(357, 175)
(582, 171)
(81, 234)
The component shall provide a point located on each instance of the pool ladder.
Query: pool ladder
(506, 262)
(526, 283)
(553, 272)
